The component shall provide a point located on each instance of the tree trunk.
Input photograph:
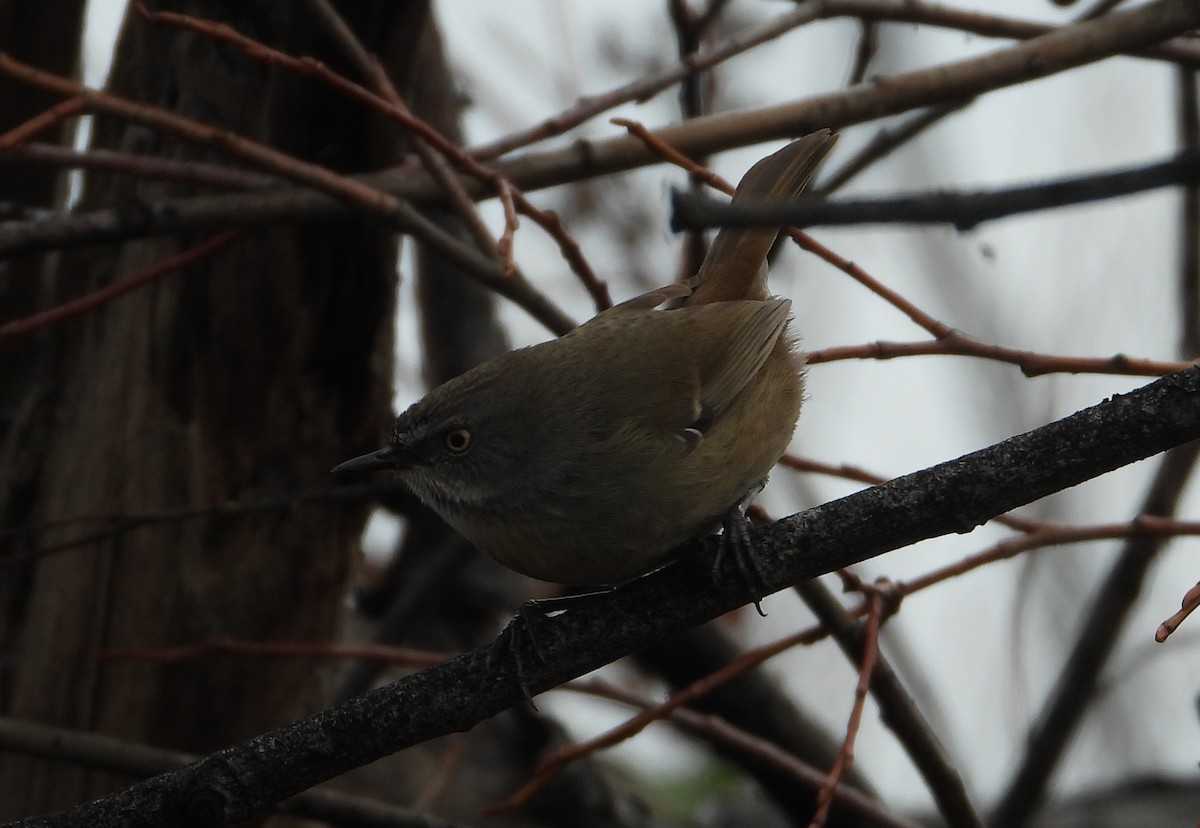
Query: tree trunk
(244, 377)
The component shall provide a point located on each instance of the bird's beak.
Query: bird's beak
(385, 458)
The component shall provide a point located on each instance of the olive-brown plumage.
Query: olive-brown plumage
(589, 459)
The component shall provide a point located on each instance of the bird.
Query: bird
(592, 458)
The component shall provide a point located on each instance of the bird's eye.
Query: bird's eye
(457, 440)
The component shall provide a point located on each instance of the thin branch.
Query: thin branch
(865, 51)
(868, 657)
(397, 212)
(940, 330)
(41, 122)
(746, 660)
(101, 297)
(115, 524)
(719, 730)
(1138, 530)
(700, 173)
(433, 148)
(897, 709)
(142, 166)
(1056, 51)
(884, 142)
(1180, 51)
(1031, 363)
(947, 340)
(399, 656)
(382, 85)
(645, 88)
(1188, 605)
(913, 735)
(962, 210)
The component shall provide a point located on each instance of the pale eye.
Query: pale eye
(457, 440)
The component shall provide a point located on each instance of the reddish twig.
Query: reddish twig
(919, 317)
(116, 524)
(668, 153)
(645, 88)
(398, 212)
(98, 298)
(505, 245)
(388, 103)
(699, 172)
(41, 122)
(437, 167)
(1056, 51)
(1054, 535)
(400, 656)
(1191, 600)
(721, 731)
(947, 340)
(896, 709)
(551, 766)
(1031, 363)
(142, 166)
(875, 610)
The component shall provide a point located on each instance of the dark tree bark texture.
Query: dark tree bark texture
(244, 377)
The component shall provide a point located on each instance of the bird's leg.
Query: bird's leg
(522, 626)
(735, 541)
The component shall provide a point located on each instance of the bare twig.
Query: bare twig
(1031, 363)
(433, 148)
(41, 122)
(550, 767)
(399, 656)
(719, 730)
(142, 166)
(119, 287)
(897, 709)
(962, 210)
(1179, 51)
(946, 340)
(370, 68)
(1053, 52)
(374, 201)
(884, 142)
(1191, 600)
(864, 53)
(1140, 529)
(869, 655)
(115, 524)
(645, 88)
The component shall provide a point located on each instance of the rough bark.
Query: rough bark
(245, 377)
(48, 33)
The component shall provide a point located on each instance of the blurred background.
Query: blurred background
(981, 653)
